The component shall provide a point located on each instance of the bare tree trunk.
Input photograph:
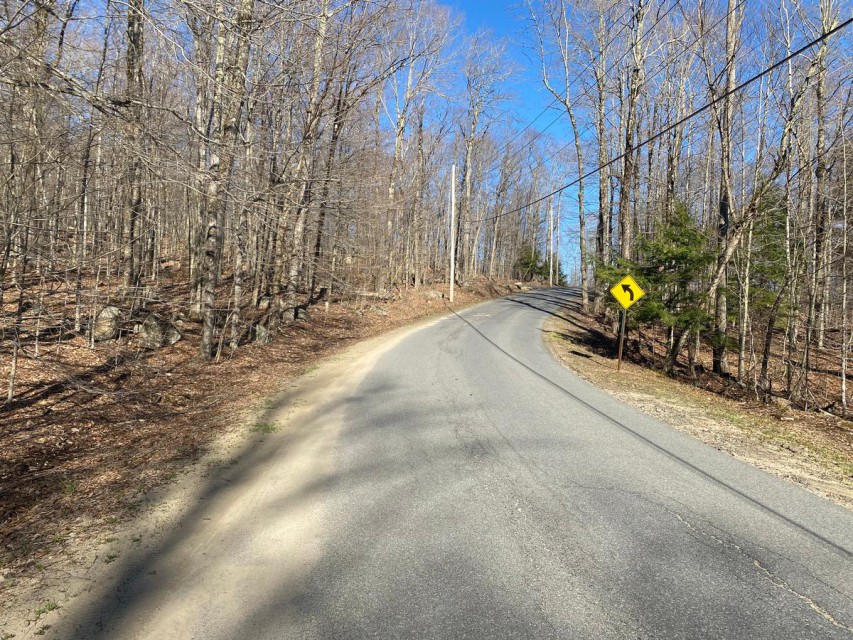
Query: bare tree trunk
(239, 274)
(604, 213)
(634, 79)
(134, 91)
(743, 310)
(845, 327)
(724, 126)
(822, 219)
(229, 84)
(675, 351)
(584, 259)
(20, 278)
(304, 169)
(464, 247)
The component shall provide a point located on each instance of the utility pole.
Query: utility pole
(551, 242)
(557, 240)
(452, 230)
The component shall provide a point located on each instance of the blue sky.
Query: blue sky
(491, 13)
(506, 18)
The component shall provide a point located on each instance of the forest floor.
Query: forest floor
(94, 434)
(812, 449)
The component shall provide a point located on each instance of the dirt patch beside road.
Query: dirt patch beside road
(94, 446)
(811, 449)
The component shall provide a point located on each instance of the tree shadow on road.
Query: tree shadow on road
(398, 476)
(563, 303)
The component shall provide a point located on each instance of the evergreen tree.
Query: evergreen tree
(530, 264)
(670, 268)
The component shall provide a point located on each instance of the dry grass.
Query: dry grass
(813, 449)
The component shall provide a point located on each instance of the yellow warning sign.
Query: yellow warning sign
(627, 291)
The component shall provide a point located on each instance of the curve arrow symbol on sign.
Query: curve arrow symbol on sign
(627, 292)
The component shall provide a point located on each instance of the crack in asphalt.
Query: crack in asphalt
(829, 543)
(777, 581)
(774, 579)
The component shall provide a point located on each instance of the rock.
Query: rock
(433, 295)
(156, 332)
(172, 335)
(261, 334)
(151, 333)
(301, 314)
(518, 285)
(379, 311)
(107, 324)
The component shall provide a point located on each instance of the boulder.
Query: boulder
(156, 332)
(261, 334)
(172, 335)
(107, 324)
(379, 311)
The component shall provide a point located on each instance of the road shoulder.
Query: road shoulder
(812, 450)
(97, 554)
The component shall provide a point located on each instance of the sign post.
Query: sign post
(621, 339)
(626, 292)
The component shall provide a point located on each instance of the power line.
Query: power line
(586, 130)
(677, 124)
(555, 100)
(528, 125)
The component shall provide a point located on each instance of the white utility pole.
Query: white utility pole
(557, 241)
(551, 242)
(452, 230)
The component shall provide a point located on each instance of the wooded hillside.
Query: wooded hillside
(716, 140)
(231, 162)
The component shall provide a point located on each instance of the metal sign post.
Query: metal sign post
(626, 292)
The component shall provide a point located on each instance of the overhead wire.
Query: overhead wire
(586, 130)
(555, 100)
(681, 121)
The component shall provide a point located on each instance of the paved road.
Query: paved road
(470, 487)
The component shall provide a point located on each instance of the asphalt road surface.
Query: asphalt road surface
(457, 482)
